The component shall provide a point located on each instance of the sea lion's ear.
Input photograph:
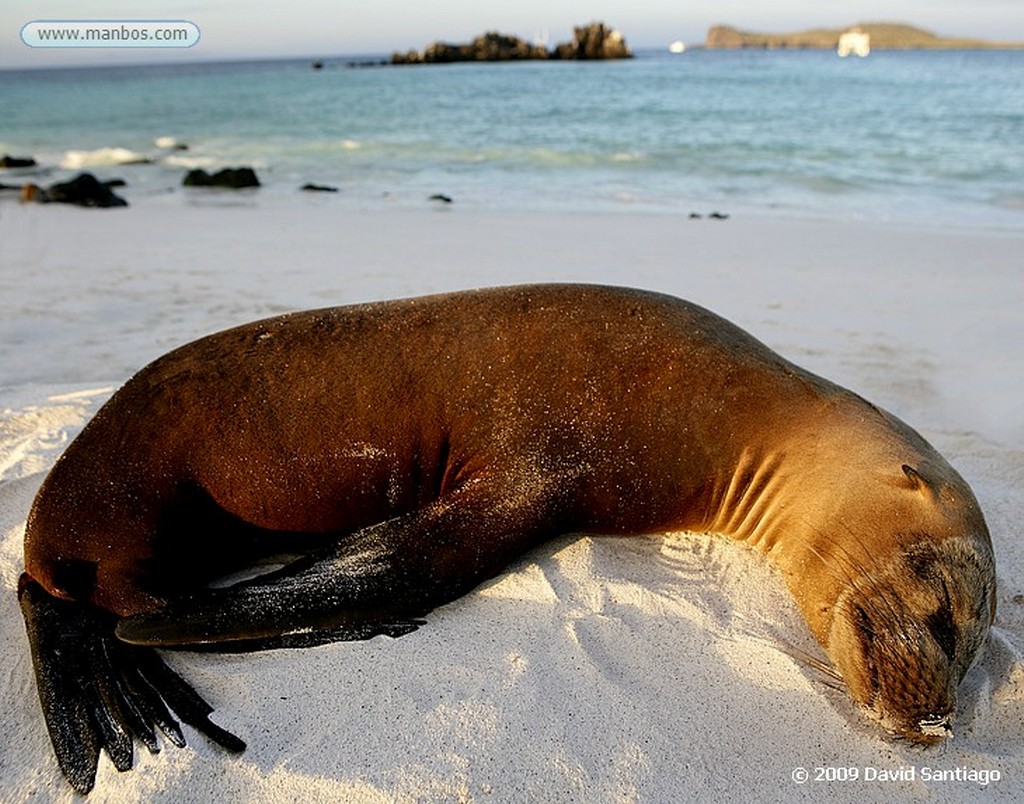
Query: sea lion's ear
(916, 481)
(912, 475)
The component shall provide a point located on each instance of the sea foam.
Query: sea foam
(101, 157)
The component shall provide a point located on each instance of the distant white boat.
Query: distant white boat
(856, 42)
(679, 46)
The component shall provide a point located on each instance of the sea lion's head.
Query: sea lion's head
(904, 637)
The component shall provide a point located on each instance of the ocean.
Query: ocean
(923, 137)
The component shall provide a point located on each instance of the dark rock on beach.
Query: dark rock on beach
(85, 190)
(594, 41)
(7, 161)
(232, 178)
(318, 188)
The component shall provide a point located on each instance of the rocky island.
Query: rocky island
(883, 36)
(594, 41)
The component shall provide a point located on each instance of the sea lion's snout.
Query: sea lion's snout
(903, 638)
(894, 669)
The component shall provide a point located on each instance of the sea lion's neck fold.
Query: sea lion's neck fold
(749, 505)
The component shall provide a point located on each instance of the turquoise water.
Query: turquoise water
(931, 137)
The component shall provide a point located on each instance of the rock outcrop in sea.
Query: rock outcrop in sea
(883, 36)
(594, 41)
(490, 46)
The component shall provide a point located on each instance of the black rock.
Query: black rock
(85, 190)
(318, 188)
(7, 161)
(233, 178)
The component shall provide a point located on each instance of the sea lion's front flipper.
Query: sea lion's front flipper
(97, 692)
(380, 580)
(328, 596)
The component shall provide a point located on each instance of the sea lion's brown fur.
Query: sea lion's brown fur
(427, 442)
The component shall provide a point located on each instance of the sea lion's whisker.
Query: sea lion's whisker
(820, 665)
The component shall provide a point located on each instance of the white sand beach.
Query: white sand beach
(596, 669)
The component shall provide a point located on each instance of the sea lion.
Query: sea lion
(410, 449)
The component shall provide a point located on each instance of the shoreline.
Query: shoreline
(280, 194)
(283, 190)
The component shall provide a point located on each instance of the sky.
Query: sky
(324, 28)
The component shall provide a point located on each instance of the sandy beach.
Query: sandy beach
(596, 669)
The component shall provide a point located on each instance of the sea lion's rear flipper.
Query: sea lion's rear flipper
(380, 580)
(97, 692)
